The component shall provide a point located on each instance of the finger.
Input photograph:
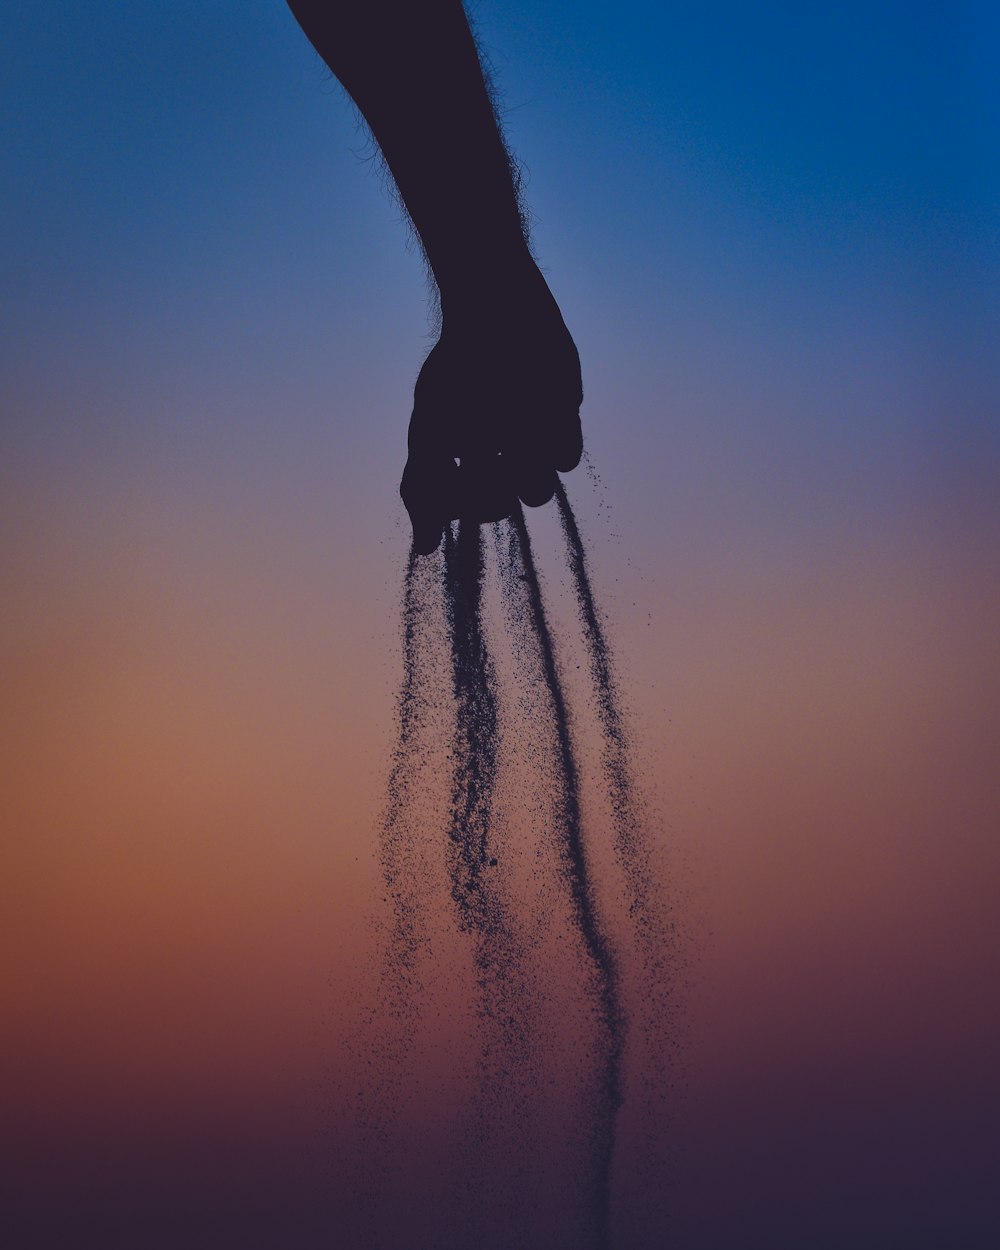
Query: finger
(486, 489)
(566, 442)
(534, 481)
(426, 534)
(429, 492)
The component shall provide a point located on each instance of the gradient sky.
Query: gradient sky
(773, 231)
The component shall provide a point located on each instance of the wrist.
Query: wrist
(500, 282)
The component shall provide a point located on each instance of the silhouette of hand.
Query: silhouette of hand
(496, 413)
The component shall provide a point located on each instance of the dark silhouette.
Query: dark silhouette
(496, 404)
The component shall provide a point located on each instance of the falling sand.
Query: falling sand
(455, 691)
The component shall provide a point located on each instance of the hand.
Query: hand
(496, 413)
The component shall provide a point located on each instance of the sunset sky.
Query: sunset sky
(773, 233)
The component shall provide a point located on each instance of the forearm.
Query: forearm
(413, 71)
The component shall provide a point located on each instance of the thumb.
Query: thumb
(429, 490)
